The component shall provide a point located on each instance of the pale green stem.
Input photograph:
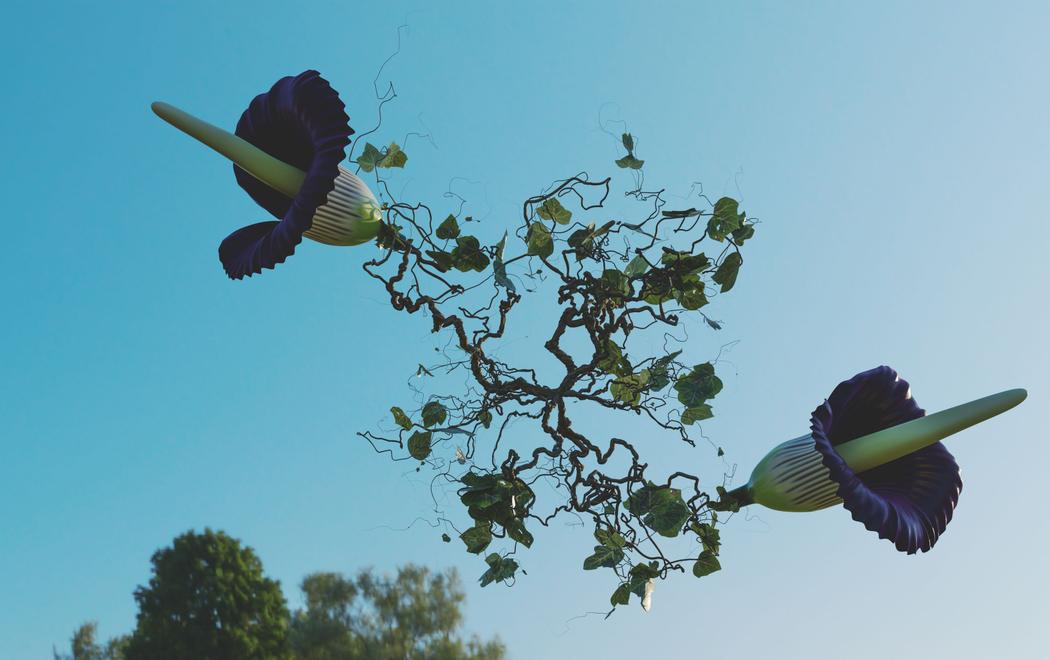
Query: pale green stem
(881, 447)
(282, 177)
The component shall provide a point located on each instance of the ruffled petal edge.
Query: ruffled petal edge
(909, 501)
(302, 121)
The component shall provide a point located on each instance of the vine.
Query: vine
(612, 281)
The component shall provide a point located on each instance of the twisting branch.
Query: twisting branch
(613, 281)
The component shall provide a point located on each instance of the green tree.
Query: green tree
(208, 598)
(82, 645)
(414, 615)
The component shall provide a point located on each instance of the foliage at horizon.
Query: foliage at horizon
(415, 614)
(209, 599)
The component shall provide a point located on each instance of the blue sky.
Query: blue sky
(896, 155)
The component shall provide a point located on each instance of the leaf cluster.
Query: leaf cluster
(611, 281)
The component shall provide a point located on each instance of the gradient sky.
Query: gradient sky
(898, 157)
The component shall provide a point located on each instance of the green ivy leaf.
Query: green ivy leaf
(400, 418)
(446, 538)
(678, 277)
(551, 209)
(480, 500)
(539, 241)
(743, 233)
(628, 389)
(691, 295)
(610, 538)
(515, 529)
(637, 267)
(433, 414)
(726, 273)
(477, 538)
(697, 414)
(677, 215)
(725, 219)
(475, 481)
(485, 417)
(419, 445)
(641, 501)
(656, 287)
(706, 564)
(621, 596)
(644, 572)
(498, 247)
(442, 259)
(612, 360)
(658, 378)
(468, 255)
(499, 270)
(708, 535)
(640, 574)
(369, 158)
(394, 157)
(661, 508)
(668, 512)
(581, 241)
(698, 385)
(500, 569)
(685, 263)
(489, 498)
(615, 284)
(630, 162)
(603, 557)
(448, 229)
(659, 373)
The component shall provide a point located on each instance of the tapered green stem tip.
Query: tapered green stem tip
(883, 446)
(280, 176)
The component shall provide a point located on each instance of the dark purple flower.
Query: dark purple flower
(302, 122)
(908, 501)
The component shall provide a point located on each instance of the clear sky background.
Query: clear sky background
(897, 155)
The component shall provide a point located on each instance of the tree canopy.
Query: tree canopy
(83, 646)
(413, 615)
(208, 599)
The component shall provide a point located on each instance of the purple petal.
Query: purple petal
(908, 501)
(302, 122)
